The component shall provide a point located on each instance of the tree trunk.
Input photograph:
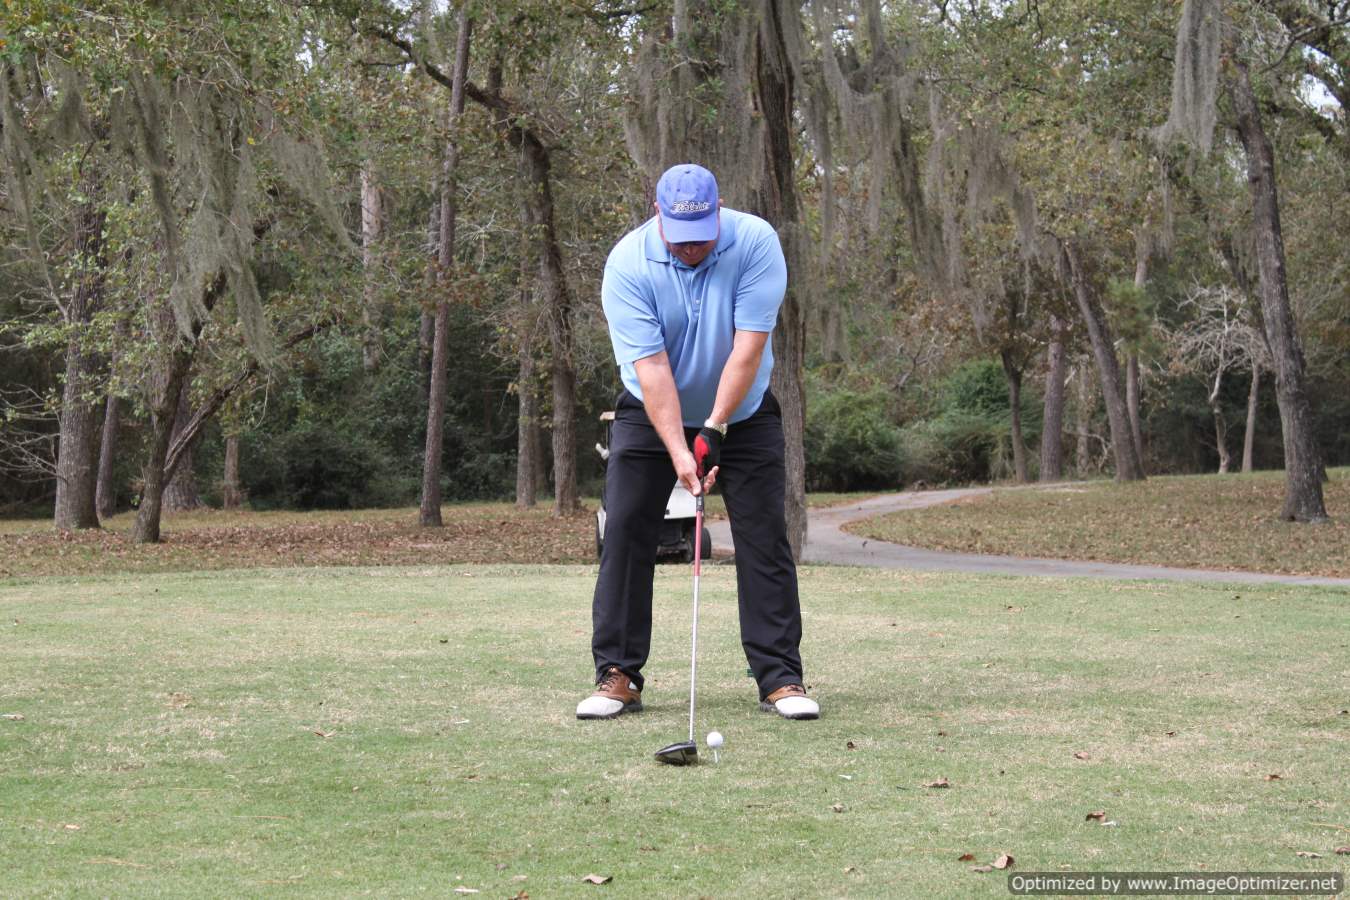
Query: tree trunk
(1019, 447)
(740, 63)
(1303, 500)
(76, 462)
(1221, 436)
(426, 328)
(1083, 402)
(169, 382)
(1108, 368)
(76, 470)
(231, 496)
(372, 227)
(1132, 388)
(430, 513)
(106, 494)
(1132, 380)
(1220, 424)
(1249, 437)
(181, 494)
(1052, 433)
(163, 406)
(426, 337)
(536, 167)
(526, 436)
(778, 202)
(543, 466)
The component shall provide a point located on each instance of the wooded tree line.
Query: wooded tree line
(348, 252)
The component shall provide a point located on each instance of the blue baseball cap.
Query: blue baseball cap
(686, 195)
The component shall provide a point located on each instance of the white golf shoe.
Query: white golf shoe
(615, 694)
(790, 702)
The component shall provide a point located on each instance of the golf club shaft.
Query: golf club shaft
(693, 649)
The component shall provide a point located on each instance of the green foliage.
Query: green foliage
(975, 389)
(1055, 100)
(851, 444)
(968, 437)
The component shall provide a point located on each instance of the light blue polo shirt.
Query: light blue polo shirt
(654, 302)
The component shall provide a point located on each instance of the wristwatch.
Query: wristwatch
(719, 427)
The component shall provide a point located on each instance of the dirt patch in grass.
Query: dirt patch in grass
(211, 539)
(1209, 521)
(495, 532)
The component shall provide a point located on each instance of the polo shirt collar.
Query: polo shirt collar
(656, 250)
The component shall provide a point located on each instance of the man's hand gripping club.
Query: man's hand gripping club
(662, 402)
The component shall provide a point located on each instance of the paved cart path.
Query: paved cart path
(827, 542)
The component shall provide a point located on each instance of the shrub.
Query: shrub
(851, 443)
(969, 437)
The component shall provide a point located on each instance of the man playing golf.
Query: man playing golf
(691, 297)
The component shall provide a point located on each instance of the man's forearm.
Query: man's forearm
(738, 374)
(662, 401)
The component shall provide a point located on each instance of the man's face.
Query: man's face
(691, 253)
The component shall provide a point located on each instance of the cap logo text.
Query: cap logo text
(690, 206)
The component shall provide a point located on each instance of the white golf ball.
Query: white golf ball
(714, 739)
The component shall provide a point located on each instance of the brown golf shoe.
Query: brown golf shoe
(790, 702)
(615, 694)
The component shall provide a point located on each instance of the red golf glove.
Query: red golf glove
(707, 450)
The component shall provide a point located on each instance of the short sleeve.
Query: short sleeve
(633, 327)
(763, 283)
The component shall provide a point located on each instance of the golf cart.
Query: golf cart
(676, 539)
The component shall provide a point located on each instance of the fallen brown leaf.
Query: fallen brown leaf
(1308, 854)
(1170, 733)
(1082, 755)
(523, 895)
(981, 868)
(1342, 851)
(838, 807)
(72, 827)
(850, 746)
(940, 783)
(965, 857)
(1274, 777)
(599, 879)
(850, 870)
(324, 734)
(1098, 815)
(13, 717)
(1003, 862)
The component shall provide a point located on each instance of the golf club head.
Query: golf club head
(685, 753)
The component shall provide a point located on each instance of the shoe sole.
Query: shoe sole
(632, 707)
(769, 707)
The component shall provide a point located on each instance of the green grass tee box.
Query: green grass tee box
(400, 732)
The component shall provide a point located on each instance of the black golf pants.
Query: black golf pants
(638, 481)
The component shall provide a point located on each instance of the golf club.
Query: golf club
(685, 753)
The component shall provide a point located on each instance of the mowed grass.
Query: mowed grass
(1197, 521)
(395, 732)
(214, 539)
